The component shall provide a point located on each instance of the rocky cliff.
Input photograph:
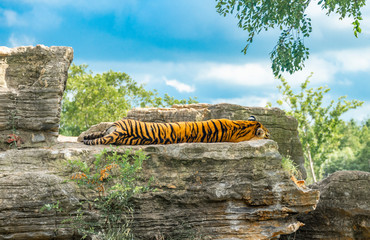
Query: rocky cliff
(32, 81)
(220, 190)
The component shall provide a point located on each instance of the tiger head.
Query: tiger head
(261, 132)
(250, 130)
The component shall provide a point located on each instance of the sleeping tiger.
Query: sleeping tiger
(132, 132)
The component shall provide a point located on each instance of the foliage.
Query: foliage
(90, 99)
(289, 166)
(353, 152)
(317, 124)
(290, 18)
(115, 178)
(52, 206)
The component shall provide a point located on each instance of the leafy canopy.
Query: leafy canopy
(290, 18)
(318, 123)
(90, 99)
(353, 152)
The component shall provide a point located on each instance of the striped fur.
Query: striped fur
(132, 132)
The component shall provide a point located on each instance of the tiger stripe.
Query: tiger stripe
(133, 132)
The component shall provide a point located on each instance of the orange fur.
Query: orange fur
(132, 132)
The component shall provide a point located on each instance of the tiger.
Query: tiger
(133, 132)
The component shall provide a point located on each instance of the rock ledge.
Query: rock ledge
(224, 190)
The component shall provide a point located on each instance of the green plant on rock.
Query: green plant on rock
(52, 206)
(114, 178)
(289, 166)
(57, 210)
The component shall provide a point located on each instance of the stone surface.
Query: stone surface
(283, 129)
(343, 211)
(221, 190)
(32, 81)
(100, 127)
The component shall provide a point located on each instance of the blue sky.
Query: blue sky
(185, 48)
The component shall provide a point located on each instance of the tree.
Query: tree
(353, 152)
(289, 16)
(317, 124)
(90, 99)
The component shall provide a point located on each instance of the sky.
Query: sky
(186, 49)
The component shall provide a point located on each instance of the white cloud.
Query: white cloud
(351, 60)
(11, 18)
(332, 21)
(20, 40)
(191, 76)
(322, 22)
(179, 86)
(250, 74)
(40, 17)
(323, 71)
(345, 82)
(326, 65)
(360, 114)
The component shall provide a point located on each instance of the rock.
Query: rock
(220, 190)
(343, 211)
(38, 138)
(283, 129)
(227, 190)
(100, 127)
(26, 184)
(62, 138)
(32, 81)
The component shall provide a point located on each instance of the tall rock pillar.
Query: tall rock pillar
(32, 81)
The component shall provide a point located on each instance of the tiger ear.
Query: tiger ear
(252, 118)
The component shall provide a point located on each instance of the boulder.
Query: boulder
(218, 190)
(32, 81)
(283, 129)
(343, 211)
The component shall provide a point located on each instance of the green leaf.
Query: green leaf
(317, 122)
(90, 99)
(290, 52)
